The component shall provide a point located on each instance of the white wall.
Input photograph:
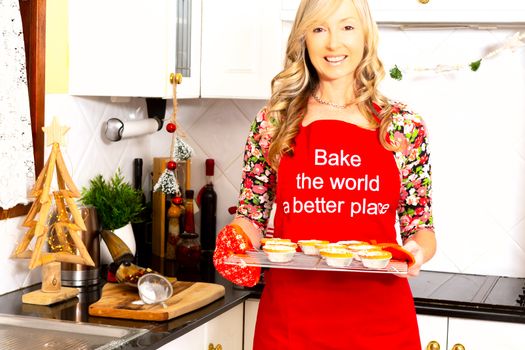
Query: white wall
(476, 123)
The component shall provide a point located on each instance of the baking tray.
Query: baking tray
(302, 261)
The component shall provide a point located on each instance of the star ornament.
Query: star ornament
(55, 132)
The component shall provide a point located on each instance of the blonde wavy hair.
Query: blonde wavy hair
(292, 87)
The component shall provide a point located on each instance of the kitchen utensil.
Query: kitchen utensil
(154, 289)
(117, 301)
(78, 275)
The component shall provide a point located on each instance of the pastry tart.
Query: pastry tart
(352, 242)
(375, 259)
(279, 253)
(309, 246)
(398, 253)
(337, 257)
(283, 243)
(358, 249)
(266, 240)
(329, 245)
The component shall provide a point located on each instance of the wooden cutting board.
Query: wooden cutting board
(117, 301)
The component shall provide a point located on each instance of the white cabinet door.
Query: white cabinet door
(461, 11)
(196, 339)
(241, 48)
(486, 335)
(251, 307)
(432, 328)
(226, 329)
(128, 48)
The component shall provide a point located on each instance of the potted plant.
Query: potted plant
(118, 205)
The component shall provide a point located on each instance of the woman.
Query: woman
(327, 122)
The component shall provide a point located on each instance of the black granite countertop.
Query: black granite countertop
(481, 297)
(160, 333)
(435, 293)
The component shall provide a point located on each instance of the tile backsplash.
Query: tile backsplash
(477, 135)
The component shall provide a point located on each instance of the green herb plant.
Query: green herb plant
(116, 201)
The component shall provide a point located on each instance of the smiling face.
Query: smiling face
(336, 44)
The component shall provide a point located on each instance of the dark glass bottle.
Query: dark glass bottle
(139, 227)
(208, 210)
(189, 248)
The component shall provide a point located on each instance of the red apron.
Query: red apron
(340, 184)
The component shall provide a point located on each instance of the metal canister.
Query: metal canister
(78, 275)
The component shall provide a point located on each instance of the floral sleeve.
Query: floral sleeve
(258, 178)
(415, 205)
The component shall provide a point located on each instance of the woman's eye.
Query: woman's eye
(318, 30)
(349, 28)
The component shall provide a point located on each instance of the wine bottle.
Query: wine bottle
(208, 210)
(140, 227)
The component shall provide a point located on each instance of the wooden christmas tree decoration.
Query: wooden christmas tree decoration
(61, 234)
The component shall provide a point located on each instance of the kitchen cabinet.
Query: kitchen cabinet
(226, 330)
(437, 11)
(471, 334)
(242, 48)
(485, 335)
(433, 329)
(128, 48)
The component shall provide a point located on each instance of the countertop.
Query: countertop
(435, 293)
(160, 333)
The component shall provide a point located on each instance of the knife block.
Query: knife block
(159, 208)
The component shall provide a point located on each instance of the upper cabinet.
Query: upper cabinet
(438, 11)
(229, 48)
(129, 47)
(242, 47)
(448, 11)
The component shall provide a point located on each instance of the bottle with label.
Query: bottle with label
(208, 209)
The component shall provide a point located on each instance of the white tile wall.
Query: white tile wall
(477, 130)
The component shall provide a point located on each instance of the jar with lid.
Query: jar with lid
(189, 250)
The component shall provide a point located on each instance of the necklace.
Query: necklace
(331, 104)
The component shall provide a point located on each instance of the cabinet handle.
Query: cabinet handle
(433, 345)
(424, 1)
(458, 347)
(212, 347)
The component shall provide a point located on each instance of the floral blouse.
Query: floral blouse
(414, 210)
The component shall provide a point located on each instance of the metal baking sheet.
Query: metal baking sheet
(302, 261)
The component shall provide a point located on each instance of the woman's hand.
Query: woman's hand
(232, 240)
(415, 249)
(422, 245)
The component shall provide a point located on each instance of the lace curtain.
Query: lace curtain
(17, 174)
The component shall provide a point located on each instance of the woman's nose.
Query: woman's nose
(333, 40)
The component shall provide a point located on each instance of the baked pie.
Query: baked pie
(279, 253)
(337, 257)
(375, 259)
(309, 246)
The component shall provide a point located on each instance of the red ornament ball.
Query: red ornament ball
(176, 200)
(171, 165)
(170, 127)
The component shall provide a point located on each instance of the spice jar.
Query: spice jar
(189, 250)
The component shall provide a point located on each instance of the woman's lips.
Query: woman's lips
(335, 59)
